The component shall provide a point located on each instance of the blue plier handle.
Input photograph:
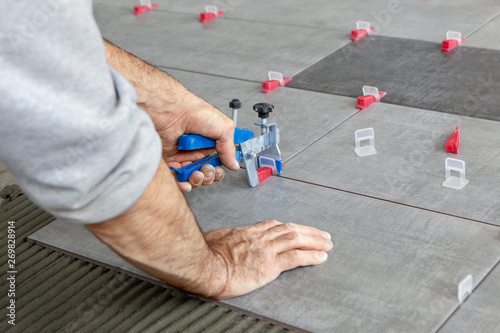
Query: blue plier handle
(195, 141)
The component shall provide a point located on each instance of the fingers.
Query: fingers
(185, 186)
(265, 225)
(219, 174)
(292, 259)
(295, 240)
(190, 156)
(206, 176)
(302, 229)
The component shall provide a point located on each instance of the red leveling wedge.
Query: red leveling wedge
(142, 9)
(362, 29)
(210, 13)
(453, 141)
(453, 39)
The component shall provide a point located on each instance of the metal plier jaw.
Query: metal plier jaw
(265, 151)
(261, 155)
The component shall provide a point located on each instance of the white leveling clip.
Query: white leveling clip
(363, 135)
(452, 164)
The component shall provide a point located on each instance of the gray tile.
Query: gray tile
(426, 20)
(487, 37)
(193, 7)
(409, 165)
(232, 48)
(393, 268)
(296, 111)
(481, 312)
(413, 73)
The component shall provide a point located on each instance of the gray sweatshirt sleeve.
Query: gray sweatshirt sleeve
(71, 132)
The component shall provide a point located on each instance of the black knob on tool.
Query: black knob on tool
(235, 104)
(263, 109)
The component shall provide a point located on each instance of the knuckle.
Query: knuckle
(293, 236)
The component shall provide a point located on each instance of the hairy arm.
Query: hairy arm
(160, 235)
(176, 111)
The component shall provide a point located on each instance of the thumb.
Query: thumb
(226, 151)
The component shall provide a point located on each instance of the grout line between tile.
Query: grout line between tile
(472, 294)
(319, 138)
(482, 26)
(390, 201)
(200, 73)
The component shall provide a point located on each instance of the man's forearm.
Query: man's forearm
(148, 81)
(159, 234)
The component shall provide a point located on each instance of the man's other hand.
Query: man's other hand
(256, 255)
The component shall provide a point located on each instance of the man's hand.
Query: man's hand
(175, 111)
(159, 234)
(256, 255)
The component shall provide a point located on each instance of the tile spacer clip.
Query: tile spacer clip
(145, 6)
(363, 29)
(452, 164)
(370, 96)
(276, 80)
(453, 39)
(210, 13)
(465, 288)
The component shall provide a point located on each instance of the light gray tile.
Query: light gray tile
(426, 20)
(232, 48)
(481, 311)
(193, 7)
(393, 268)
(409, 167)
(302, 116)
(487, 37)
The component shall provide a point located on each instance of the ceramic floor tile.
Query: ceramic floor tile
(302, 116)
(192, 7)
(393, 268)
(231, 48)
(413, 73)
(481, 311)
(426, 20)
(487, 37)
(409, 166)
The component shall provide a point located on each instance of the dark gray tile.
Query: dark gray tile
(409, 166)
(481, 311)
(464, 81)
(393, 268)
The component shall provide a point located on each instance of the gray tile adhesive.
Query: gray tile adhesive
(58, 293)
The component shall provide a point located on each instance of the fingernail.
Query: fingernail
(209, 174)
(188, 188)
(323, 255)
(326, 235)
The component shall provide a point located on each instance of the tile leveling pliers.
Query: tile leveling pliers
(262, 150)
